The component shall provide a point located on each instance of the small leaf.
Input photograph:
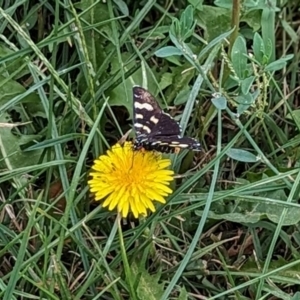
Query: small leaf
(182, 97)
(274, 211)
(238, 56)
(10, 144)
(278, 64)
(245, 100)
(224, 3)
(246, 84)
(198, 4)
(183, 294)
(252, 18)
(31, 17)
(187, 23)
(244, 210)
(295, 115)
(215, 20)
(245, 217)
(296, 296)
(268, 50)
(168, 51)
(242, 155)
(149, 286)
(166, 80)
(219, 102)
(258, 48)
(122, 6)
(12, 66)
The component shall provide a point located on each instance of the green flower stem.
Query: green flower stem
(128, 274)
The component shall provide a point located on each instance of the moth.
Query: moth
(155, 129)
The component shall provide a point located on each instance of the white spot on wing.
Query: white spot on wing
(183, 145)
(178, 145)
(137, 96)
(146, 128)
(146, 106)
(138, 125)
(154, 120)
(139, 116)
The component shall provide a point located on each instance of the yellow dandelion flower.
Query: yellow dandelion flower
(130, 180)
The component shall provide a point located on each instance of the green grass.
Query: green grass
(230, 230)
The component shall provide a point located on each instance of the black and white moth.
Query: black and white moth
(155, 129)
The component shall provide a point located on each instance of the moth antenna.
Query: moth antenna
(123, 139)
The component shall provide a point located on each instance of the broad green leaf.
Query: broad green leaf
(224, 3)
(168, 51)
(13, 67)
(187, 23)
(122, 6)
(253, 19)
(282, 273)
(33, 107)
(278, 64)
(243, 210)
(11, 155)
(253, 4)
(245, 217)
(148, 287)
(219, 102)
(274, 212)
(122, 94)
(238, 57)
(268, 50)
(214, 20)
(245, 101)
(242, 155)
(246, 84)
(258, 48)
(31, 17)
(166, 80)
(180, 82)
(174, 60)
(197, 4)
(183, 294)
(182, 97)
(183, 47)
(9, 89)
(296, 296)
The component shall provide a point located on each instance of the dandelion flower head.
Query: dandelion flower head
(130, 180)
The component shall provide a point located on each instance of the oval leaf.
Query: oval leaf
(167, 51)
(246, 84)
(122, 7)
(258, 47)
(219, 102)
(278, 64)
(238, 56)
(242, 155)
